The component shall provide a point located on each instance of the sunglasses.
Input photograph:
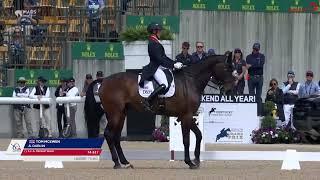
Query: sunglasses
(199, 46)
(310, 75)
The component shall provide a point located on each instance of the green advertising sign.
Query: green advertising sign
(97, 51)
(6, 91)
(169, 22)
(290, 6)
(52, 76)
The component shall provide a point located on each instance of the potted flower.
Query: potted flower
(268, 133)
(135, 46)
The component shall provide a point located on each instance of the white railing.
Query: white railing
(63, 100)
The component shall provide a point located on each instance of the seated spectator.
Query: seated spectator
(28, 18)
(309, 87)
(211, 52)
(22, 111)
(94, 8)
(200, 54)
(184, 57)
(239, 64)
(16, 49)
(275, 95)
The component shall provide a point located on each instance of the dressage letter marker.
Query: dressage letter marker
(54, 151)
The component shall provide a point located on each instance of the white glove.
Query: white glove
(178, 65)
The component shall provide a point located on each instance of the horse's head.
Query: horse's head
(223, 72)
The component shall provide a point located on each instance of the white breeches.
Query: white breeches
(288, 113)
(160, 77)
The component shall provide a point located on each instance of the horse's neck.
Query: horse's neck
(201, 74)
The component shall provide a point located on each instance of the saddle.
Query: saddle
(152, 84)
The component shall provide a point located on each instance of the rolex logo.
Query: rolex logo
(56, 74)
(31, 73)
(248, 1)
(199, 1)
(296, 2)
(164, 21)
(223, 1)
(272, 2)
(141, 20)
(111, 48)
(88, 47)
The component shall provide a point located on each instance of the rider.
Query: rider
(158, 63)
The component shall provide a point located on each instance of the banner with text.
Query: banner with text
(52, 76)
(169, 22)
(97, 51)
(290, 6)
(62, 149)
(229, 119)
(6, 91)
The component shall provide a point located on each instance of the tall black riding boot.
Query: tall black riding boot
(154, 94)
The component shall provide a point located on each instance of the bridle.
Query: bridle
(218, 84)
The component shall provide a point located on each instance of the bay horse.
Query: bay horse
(119, 91)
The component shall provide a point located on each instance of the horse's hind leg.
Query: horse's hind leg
(198, 134)
(186, 123)
(109, 135)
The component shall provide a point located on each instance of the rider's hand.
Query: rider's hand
(178, 65)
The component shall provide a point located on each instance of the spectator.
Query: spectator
(255, 62)
(38, 92)
(113, 35)
(95, 8)
(211, 52)
(28, 18)
(124, 6)
(18, 4)
(61, 113)
(309, 87)
(200, 54)
(22, 111)
(290, 90)
(16, 49)
(103, 120)
(72, 91)
(184, 57)
(275, 95)
(239, 64)
(87, 82)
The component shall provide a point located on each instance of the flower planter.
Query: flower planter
(136, 53)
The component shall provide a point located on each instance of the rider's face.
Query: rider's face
(158, 33)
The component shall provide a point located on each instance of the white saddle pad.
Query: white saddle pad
(148, 89)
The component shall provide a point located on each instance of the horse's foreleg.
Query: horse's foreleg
(198, 134)
(109, 135)
(185, 126)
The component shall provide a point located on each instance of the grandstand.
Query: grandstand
(62, 22)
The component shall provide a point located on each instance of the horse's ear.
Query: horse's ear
(229, 57)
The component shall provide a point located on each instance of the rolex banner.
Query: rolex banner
(97, 51)
(229, 119)
(300, 6)
(169, 22)
(52, 76)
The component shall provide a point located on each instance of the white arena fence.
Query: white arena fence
(290, 158)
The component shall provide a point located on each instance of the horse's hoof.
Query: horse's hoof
(196, 162)
(128, 166)
(117, 166)
(192, 165)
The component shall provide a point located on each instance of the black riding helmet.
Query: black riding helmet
(153, 26)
